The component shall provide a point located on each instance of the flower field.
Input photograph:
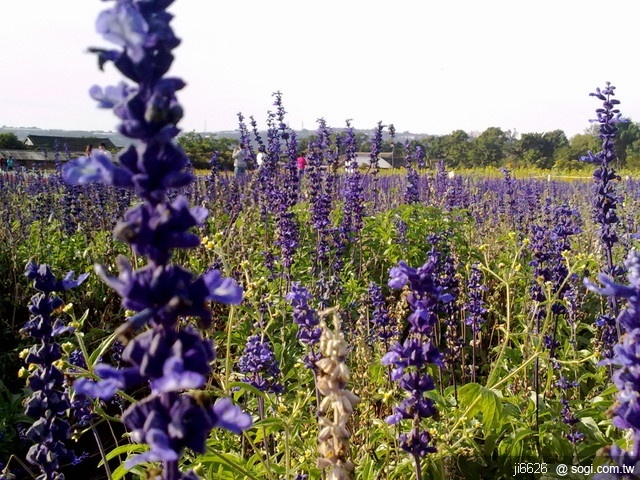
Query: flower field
(519, 338)
(329, 323)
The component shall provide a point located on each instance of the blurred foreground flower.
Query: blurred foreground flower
(170, 358)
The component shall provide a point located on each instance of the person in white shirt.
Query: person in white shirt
(260, 157)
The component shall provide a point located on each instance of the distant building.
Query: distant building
(363, 160)
(31, 159)
(42, 150)
(74, 145)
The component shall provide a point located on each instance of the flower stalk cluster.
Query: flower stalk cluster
(259, 365)
(410, 360)
(49, 404)
(475, 311)
(412, 193)
(625, 357)
(305, 316)
(382, 326)
(168, 357)
(606, 201)
(337, 403)
(353, 190)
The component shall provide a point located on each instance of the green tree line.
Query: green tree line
(495, 147)
(492, 148)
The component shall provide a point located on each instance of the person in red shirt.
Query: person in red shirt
(302, 164)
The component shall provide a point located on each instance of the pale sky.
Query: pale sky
(426, 66)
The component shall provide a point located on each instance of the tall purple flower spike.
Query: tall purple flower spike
(605, 203)
(626, 411)
(409, 360)
(169, 358)
(48, 403)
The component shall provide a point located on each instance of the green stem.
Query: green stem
(227, 361)
(101, 449)
(505, 340)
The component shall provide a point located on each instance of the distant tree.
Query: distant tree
(303, 143)
(488, 149)
(567, 158)
(632, 156)
(363, 142)
(199, 149)
(456, 147)
(538, 149)
(628, 134)
(434, 149)
(9, 141)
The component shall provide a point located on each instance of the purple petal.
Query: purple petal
(230, 416)
(175, 378)
(104, 389)
(126, 27)
(222, 289)
(95, 168)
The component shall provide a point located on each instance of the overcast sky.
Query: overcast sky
(426, 66)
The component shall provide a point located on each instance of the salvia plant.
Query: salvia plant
(306, 318)
(411, 358)
(605, 202)
(163, 350)
(625, 358)
(475, 311)
(49, 403)
(412, 193)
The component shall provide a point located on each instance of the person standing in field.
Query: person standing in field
(302, 164)
(10, 163)
(103, 149)
(239, 160)
(88, 149)
(260, 157)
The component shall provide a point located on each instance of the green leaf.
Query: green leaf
(229, 460)
(476, 399)
(127, 449)
(246, 386)
(101, 350)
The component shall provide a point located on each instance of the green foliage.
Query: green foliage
(9, 141)
(199, 149)
(11, 415)
(489, 148)
(485, 424)
(539, 149)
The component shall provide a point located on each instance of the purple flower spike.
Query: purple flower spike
(103, 389)
(49, 401)
(220, 289)
(175, 378)
(171, 359)
(260, 366)
(44, 280)
(111, 96)
(626, 411)
(309, 330)
(409, 360)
